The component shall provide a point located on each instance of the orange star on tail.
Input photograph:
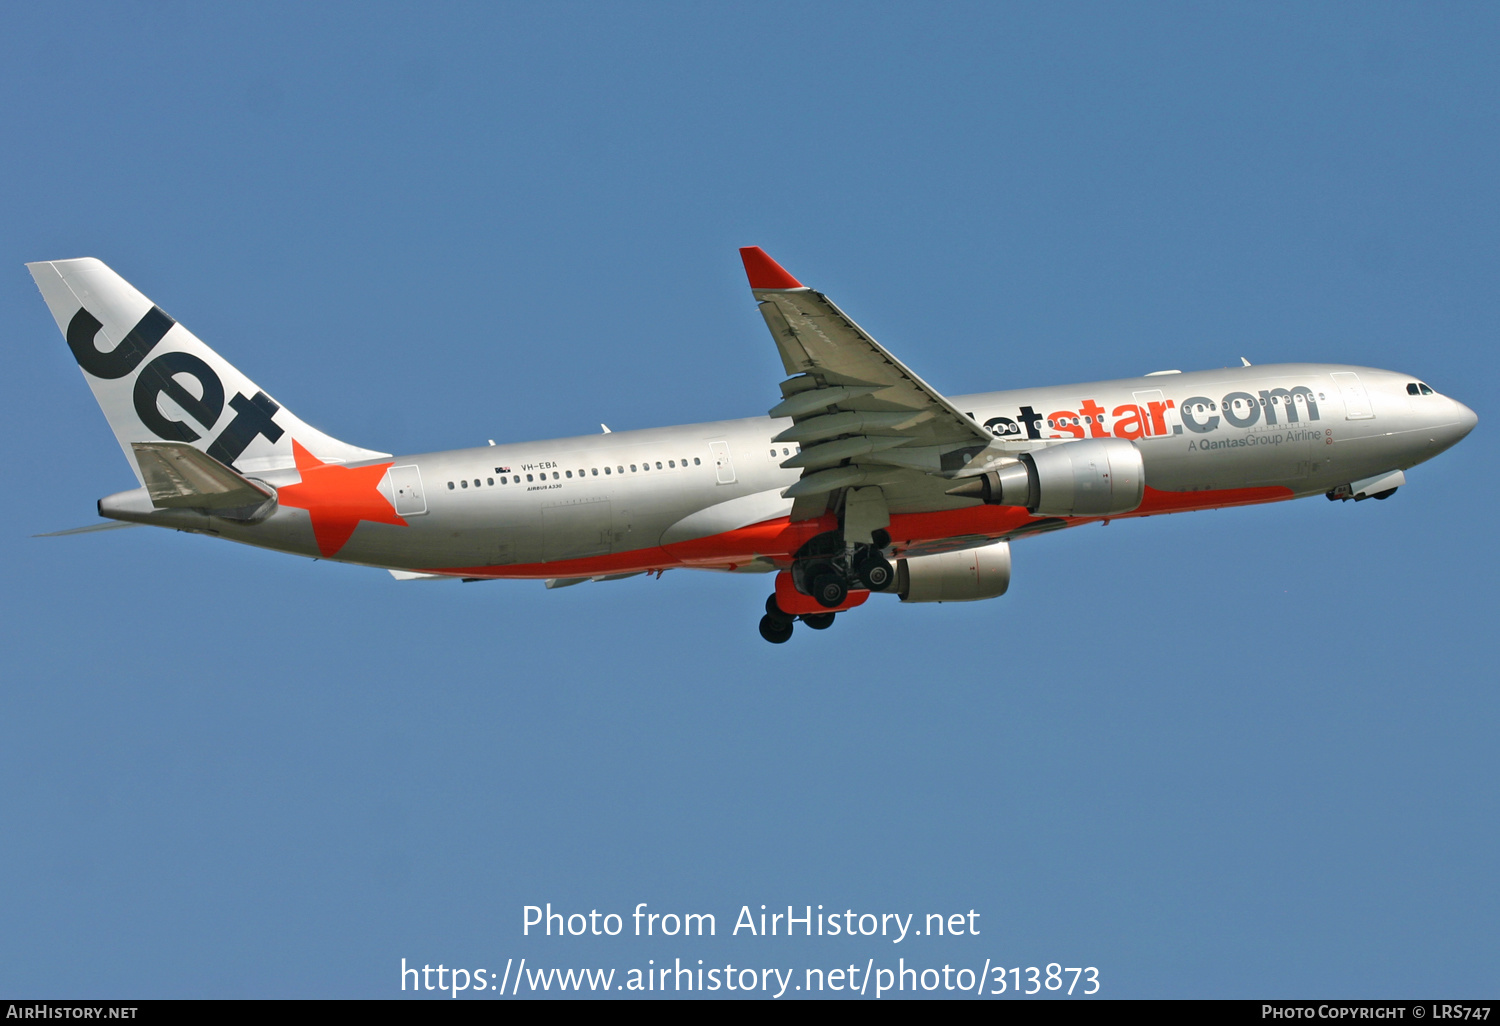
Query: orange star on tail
(337, 498)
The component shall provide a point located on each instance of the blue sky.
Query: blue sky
(1240, 753)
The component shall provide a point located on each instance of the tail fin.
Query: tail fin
(156, 381)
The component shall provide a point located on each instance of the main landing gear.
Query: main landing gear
(776, 626)
(826, 569)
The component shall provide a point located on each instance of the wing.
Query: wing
(861, 417)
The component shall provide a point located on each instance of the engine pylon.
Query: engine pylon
(1014, 484)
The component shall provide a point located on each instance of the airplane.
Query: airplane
(861, 479)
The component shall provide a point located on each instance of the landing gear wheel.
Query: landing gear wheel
(775, 630)
(818, 621)
(829, 590)
(773, 610)
(877, 574)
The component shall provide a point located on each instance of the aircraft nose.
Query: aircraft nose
(1467, 418)
(1454, 426)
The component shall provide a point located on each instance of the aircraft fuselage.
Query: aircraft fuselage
(863, 478)
(708, 495)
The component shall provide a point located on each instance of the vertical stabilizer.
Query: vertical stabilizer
(156, 381)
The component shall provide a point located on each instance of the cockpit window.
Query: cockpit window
(1411, 388)
(1424, 388)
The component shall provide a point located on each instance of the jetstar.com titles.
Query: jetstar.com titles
(1159, 417)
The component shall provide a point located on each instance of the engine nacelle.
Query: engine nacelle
(1097, 477)
(963, 576)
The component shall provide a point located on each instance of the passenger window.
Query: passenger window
(1426, 390)
(672, 464)
(785, 452)
(570, 473)
(490, 481)
(618, 470)
(466, 484)
(554, 475)
(658, 464)
(773, 452)
(632, 468)
(696, 461)
(476, 482)
(450, 486)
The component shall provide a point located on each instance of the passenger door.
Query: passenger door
(1356, 399)
(406, 488)
(723, 465)
(1157, 419)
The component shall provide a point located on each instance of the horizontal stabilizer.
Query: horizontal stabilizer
(113, 525)
(178, 476)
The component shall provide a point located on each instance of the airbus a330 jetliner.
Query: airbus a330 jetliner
(861, 479)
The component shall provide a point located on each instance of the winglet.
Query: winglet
(765, 273)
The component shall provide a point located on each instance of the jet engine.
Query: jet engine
(962, 576)
(1097, 477)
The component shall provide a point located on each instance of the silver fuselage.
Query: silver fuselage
(684, 496)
